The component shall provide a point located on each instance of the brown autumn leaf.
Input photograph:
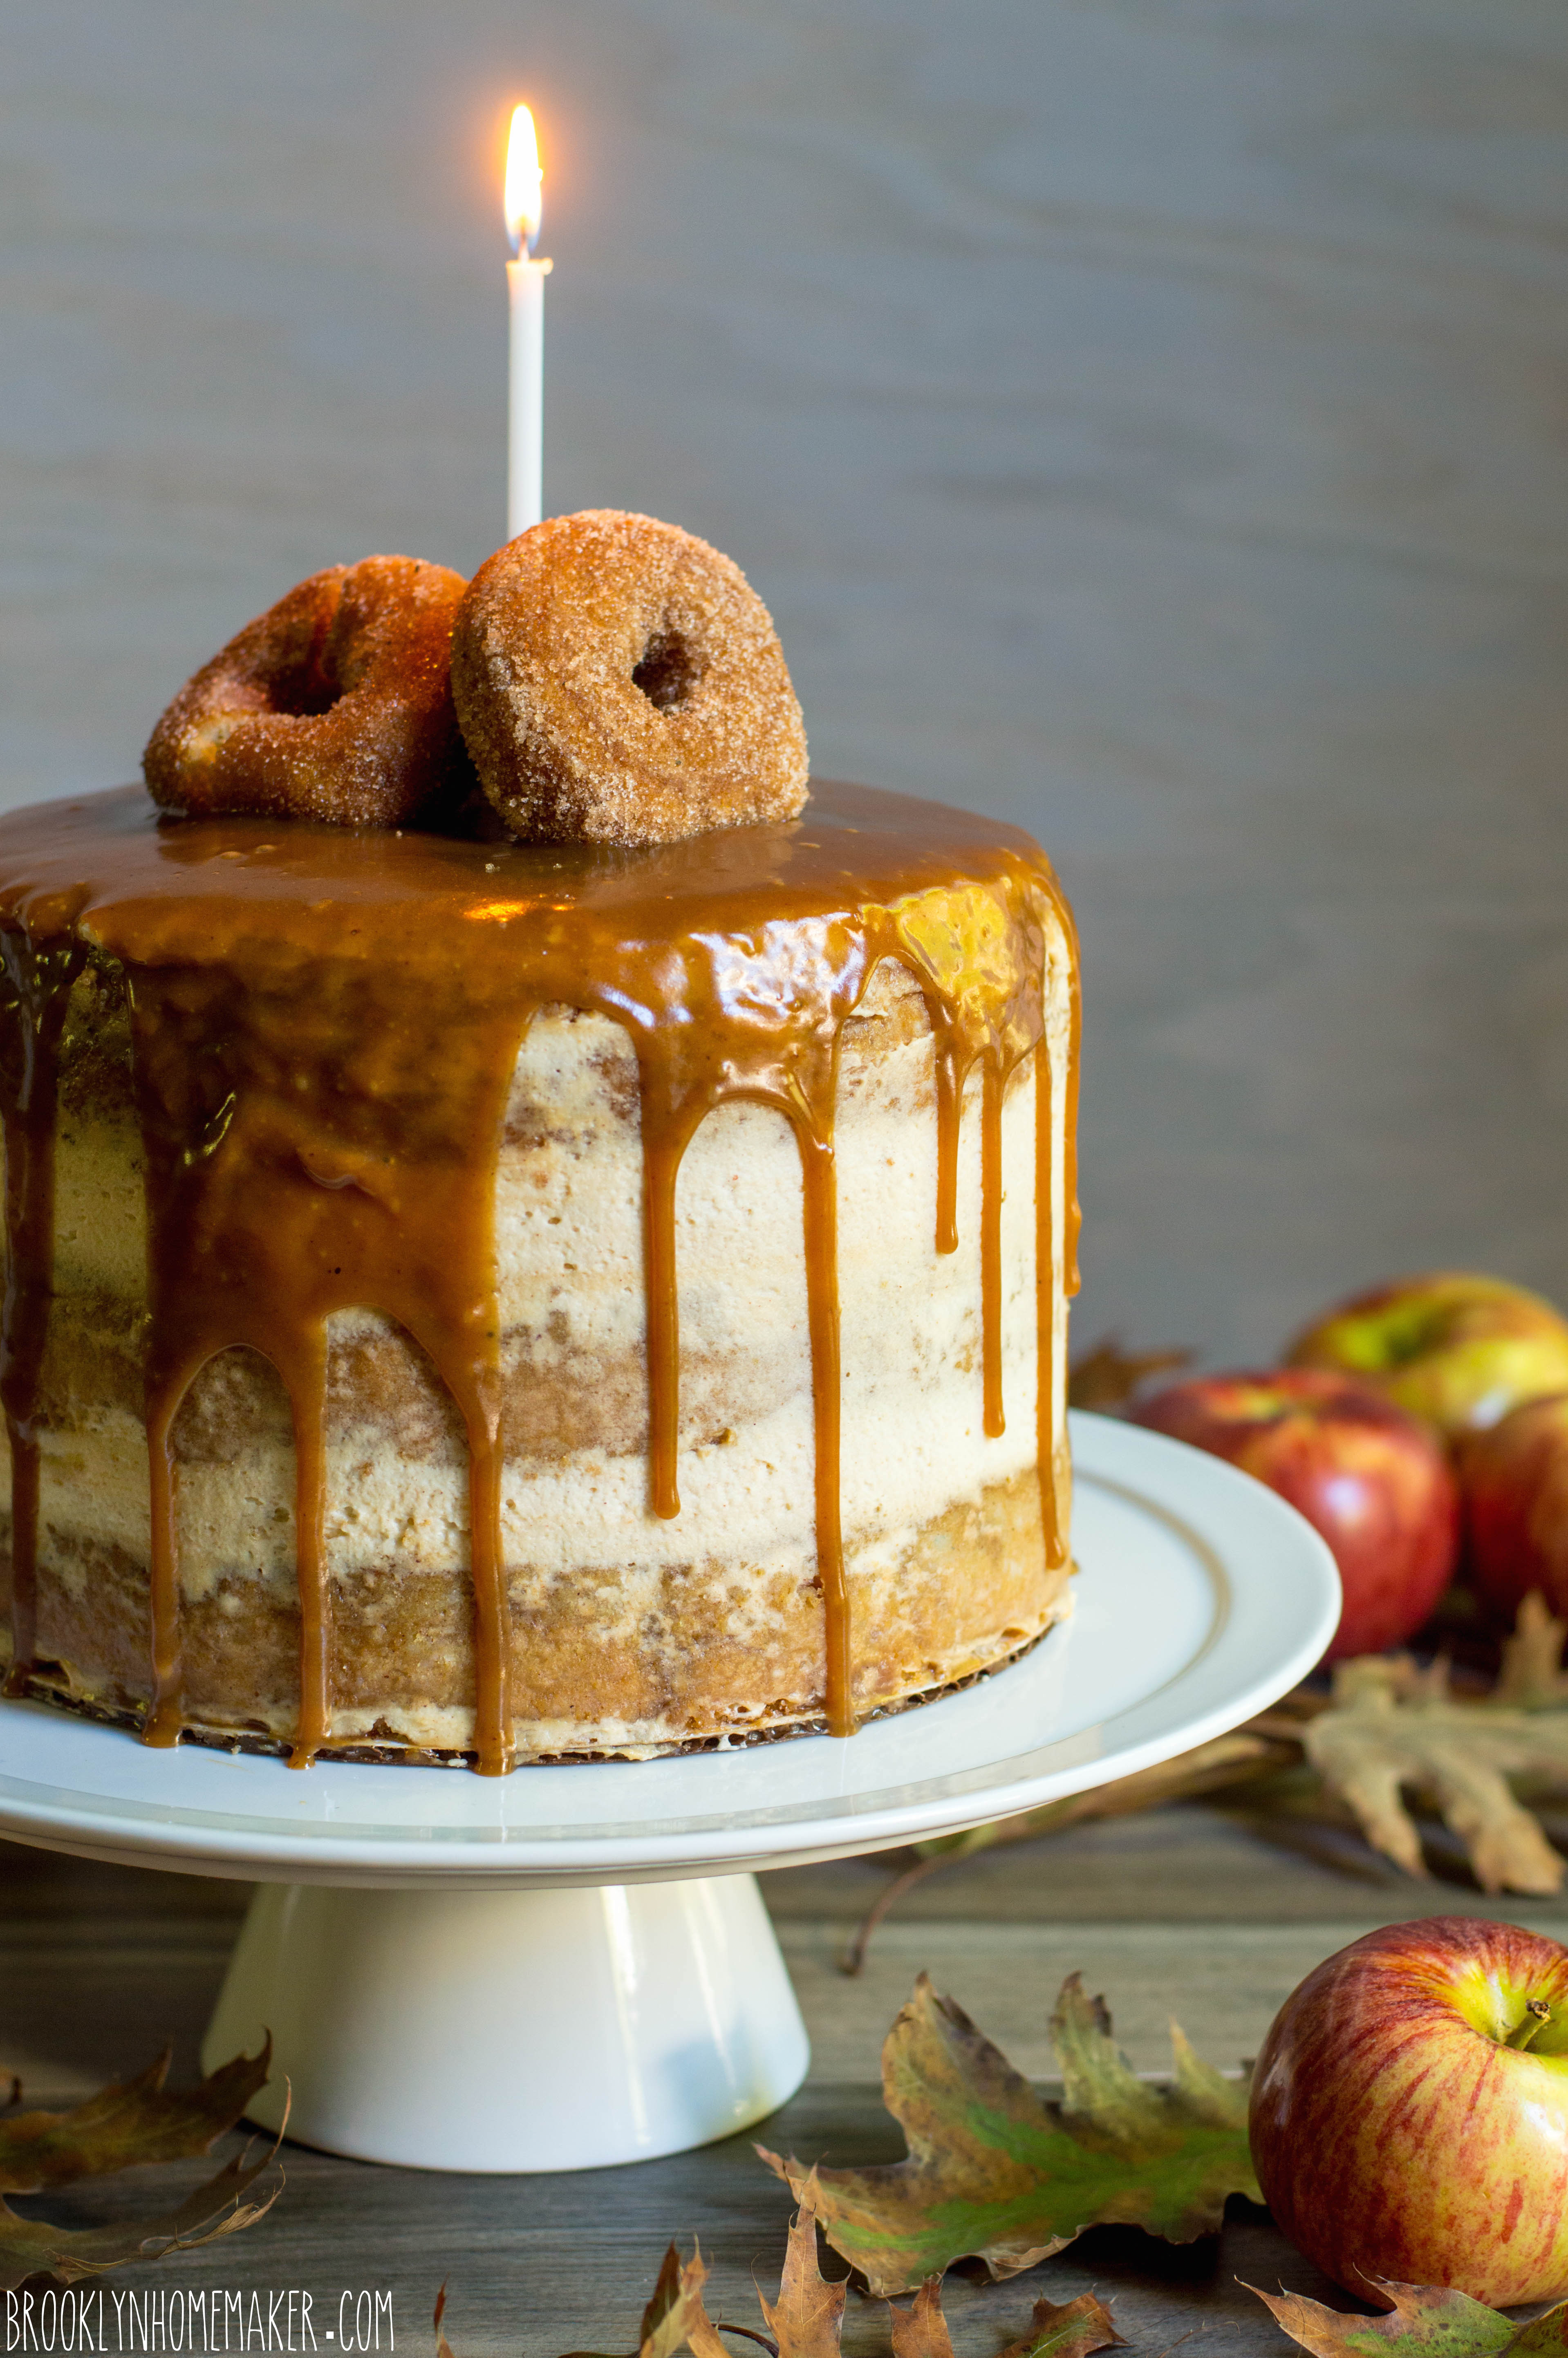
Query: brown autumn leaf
(997, 2173)
(1423, 2322)
(808, 2318)
(133, 2121)
(443, 2347)
(920, 2331)
(1106, 1377)
(674, 2315)
(31, 2248)
(1073, 2330)
(1392, 1727)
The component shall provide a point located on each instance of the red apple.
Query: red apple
(1410, 2111)
(1457, 1349)
(1372, 1480)
(1515, 1484)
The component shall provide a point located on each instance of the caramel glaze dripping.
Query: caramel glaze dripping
(950, 1077)
(687, 1068)
(990, 1244)
(1074, 1057)
(32, 1014)
(300, 1162)
(324, 1031)
(1045, 1215)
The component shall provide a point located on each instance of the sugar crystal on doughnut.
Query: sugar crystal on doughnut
(335, 704)
(618, 681)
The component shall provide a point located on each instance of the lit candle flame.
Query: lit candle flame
(523, 181)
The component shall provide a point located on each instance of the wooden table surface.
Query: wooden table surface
(1194, 1913)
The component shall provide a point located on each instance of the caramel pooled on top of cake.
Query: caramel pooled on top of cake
(324, 1027)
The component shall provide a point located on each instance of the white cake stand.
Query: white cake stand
(570, 1967)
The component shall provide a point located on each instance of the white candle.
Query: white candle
(525, 288)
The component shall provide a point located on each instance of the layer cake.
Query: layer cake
(531, 1301)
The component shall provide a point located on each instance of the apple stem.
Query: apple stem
(1537, 2015)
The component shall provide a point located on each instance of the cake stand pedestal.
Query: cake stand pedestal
(572, 1967)
(516, 2030)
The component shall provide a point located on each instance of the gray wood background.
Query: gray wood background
(1145, 420)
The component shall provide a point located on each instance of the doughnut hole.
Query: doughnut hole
(667, 672)
(303, 690)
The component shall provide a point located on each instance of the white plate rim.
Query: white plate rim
(1277, 1598)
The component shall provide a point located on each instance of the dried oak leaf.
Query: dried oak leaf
(134, 2121)
(921, 2332)
(1391, 1727)
(31, 2248)
(1073, 2330)
(674, 2318)
(443, 2347)
(676, 2313)
(1424, 2321)
(808, 2318)
(997, 2173)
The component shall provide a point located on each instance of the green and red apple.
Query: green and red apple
(1458, 1349)
(1372, 1480)
(1410, 2111)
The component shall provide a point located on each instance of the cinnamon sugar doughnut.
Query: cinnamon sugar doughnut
(335, 704)
(618, 681)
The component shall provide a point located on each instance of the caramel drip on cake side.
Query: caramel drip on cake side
(1070, 1130)
(983, 965)
(751, 1027)
(1045, 1213)
(756, 1026)
(37, 987)
(320, 1135)
(994, 1414)
(325, 1026)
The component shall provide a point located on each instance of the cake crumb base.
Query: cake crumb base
(39, 1687)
